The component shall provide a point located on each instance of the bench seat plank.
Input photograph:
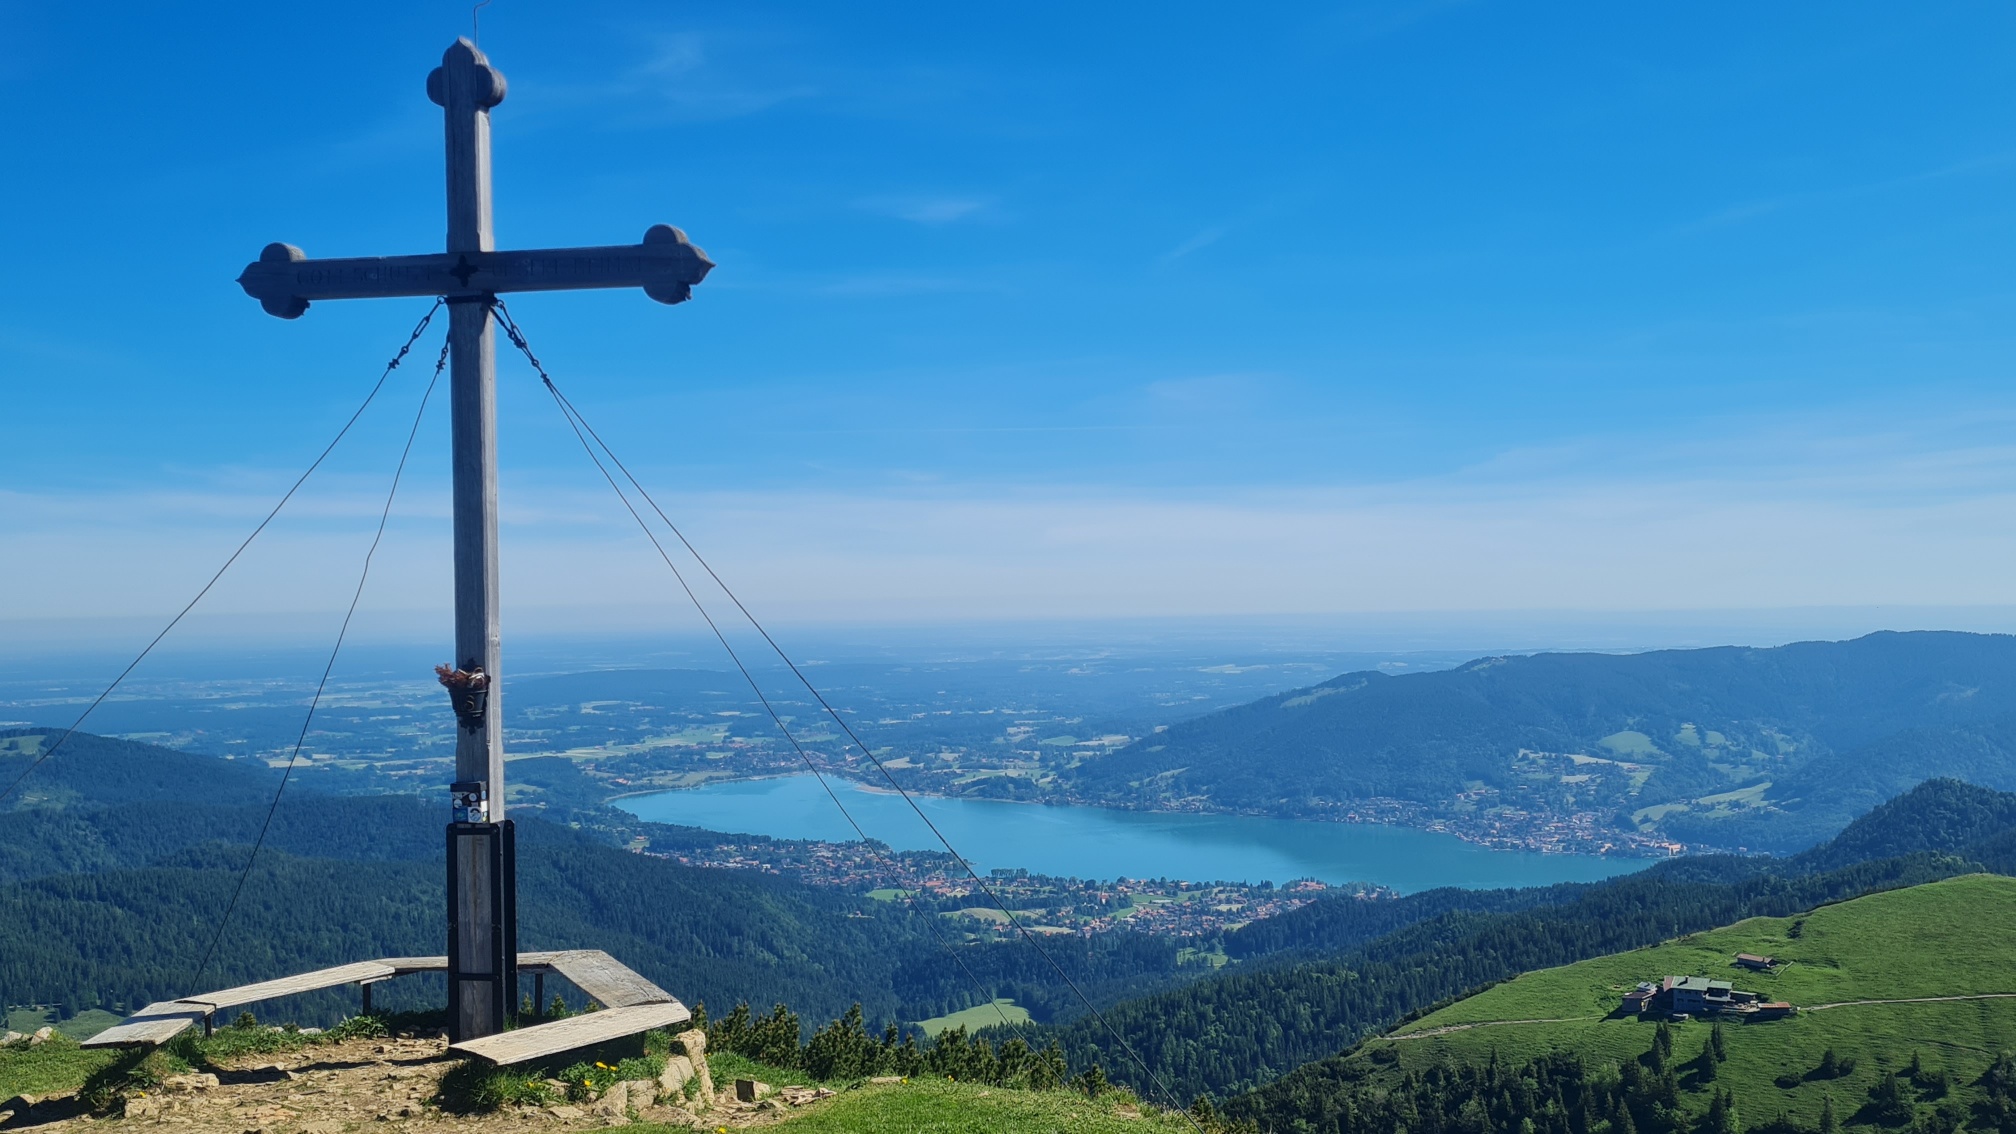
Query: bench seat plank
(585, 1030)
(294, 985)
(608, 980)
(157, 1023)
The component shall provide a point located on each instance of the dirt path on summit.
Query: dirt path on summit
(384, 1086)
(1447, 1028)
(1913, 1000)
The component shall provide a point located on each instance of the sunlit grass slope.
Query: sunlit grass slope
(1944, 939)
(977, 1017)
(928, 1107)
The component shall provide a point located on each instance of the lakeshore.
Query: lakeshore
(1094, 842)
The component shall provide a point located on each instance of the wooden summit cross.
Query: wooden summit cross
(482, 887)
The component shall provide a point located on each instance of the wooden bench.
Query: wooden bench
(585, 1030)
(630, 1003)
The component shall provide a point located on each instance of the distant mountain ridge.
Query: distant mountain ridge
(1768, 748)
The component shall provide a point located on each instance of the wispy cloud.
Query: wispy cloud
(878, 285)
(1745, 211)
(1204, 391)
(750, 68)
(871, 284)
(1732, 215)
(1830, 513)
(679, 78)
(1202, 240)
(929, 209)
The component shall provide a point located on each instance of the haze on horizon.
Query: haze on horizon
(1448, 311)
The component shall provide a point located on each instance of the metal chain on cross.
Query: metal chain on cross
(517, 338)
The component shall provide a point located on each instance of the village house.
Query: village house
(1696, 996)
(1693, 995)
(1756, 963)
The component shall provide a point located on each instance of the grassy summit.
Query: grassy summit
(1870, 976)
(926, 1107)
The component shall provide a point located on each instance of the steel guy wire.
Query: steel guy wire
(567, 407)
(898, 874)
(342, 632)
(398, 358)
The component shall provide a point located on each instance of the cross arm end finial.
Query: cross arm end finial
(266, 280)
(689, 265)
(465, 69)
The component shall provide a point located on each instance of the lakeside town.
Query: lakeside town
(955, 732)
(937, 883)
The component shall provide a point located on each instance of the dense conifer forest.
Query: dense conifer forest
(110, 903)
(1246, 1027)
(115, 869)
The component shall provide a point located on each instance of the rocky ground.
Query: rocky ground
(391, 1086)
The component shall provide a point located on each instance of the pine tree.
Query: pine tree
(1891, 1105)
(774, 1038)
(1718, 1120)
(1828, 1123)
(1092, 1081)
(1663, 1040)
(1715, 1043)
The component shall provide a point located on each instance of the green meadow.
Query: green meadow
(977, 1017)
(1945, 939)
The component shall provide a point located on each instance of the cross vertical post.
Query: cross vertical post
(482, 890)
(479, 906)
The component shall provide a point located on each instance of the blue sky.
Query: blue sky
(1047, 310)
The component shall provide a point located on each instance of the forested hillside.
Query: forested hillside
(1243, 1028)
(1905, 1010)
(114, 905)
(109, 898)
(1763, 748)
(1807, 804)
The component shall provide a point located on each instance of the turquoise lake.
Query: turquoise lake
(1094, 842)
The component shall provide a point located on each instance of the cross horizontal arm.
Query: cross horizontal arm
(666, 265)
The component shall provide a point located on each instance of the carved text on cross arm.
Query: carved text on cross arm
(567, 267)
(327, 275)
